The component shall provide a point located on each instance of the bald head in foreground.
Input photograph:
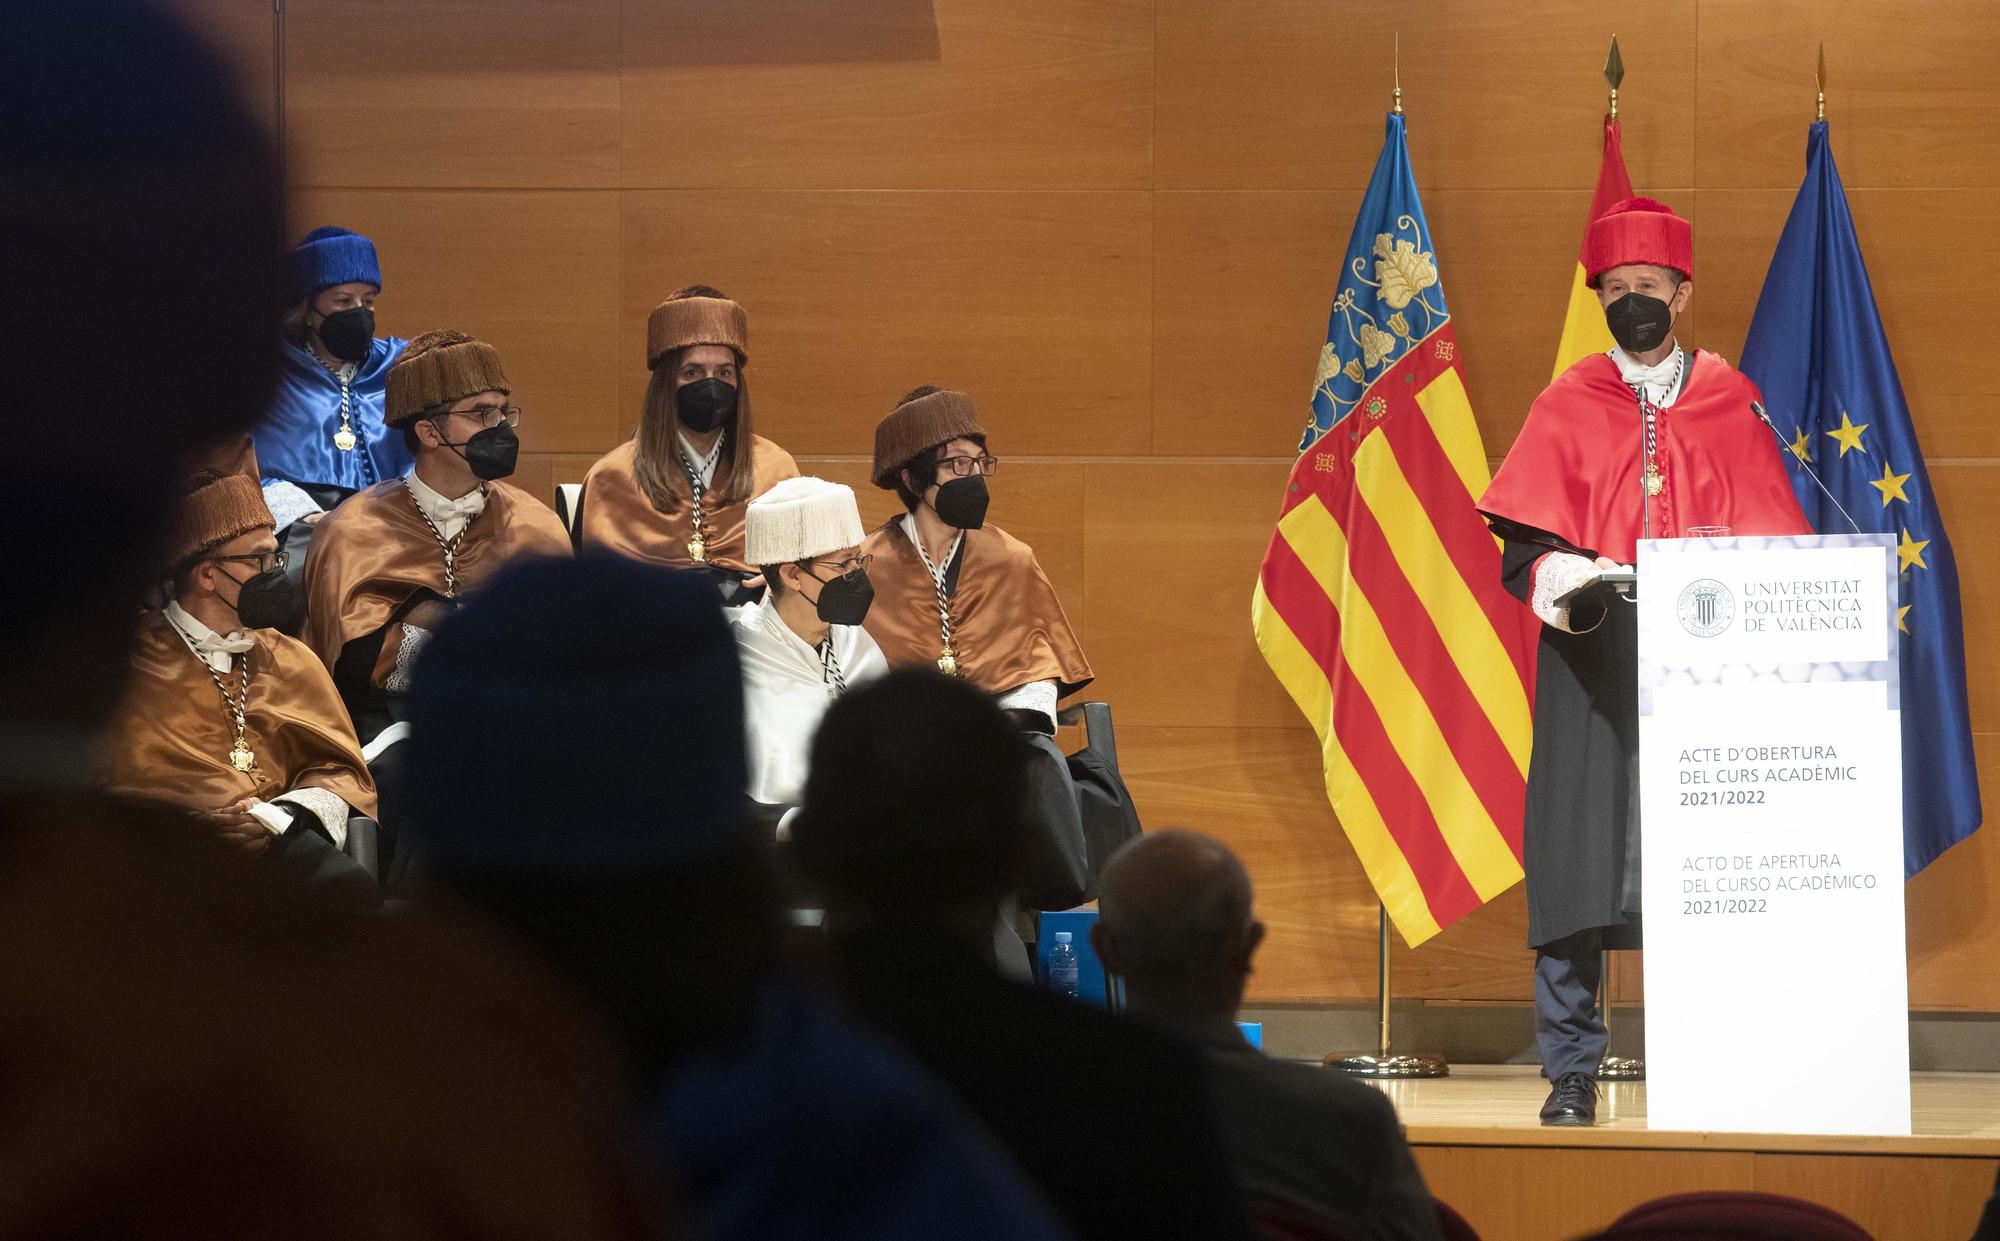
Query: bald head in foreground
(1310, 1148)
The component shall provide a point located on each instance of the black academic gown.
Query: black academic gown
(1580, 839)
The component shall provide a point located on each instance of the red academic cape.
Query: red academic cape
(1576, 469)
(1575, 474)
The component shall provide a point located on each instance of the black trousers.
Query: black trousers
(1569, 1031)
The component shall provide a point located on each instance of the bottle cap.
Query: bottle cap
(1062, 937)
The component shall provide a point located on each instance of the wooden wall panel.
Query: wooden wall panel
(1116, 223)
(1539, 1193)
(1242, 281)
(1509, 1194)
(1038, 305)
(888, 94)
(1173, 551)
(536, 273)
(1894, 1199)
(1291, 93)
(1911, 91)
(496, 93)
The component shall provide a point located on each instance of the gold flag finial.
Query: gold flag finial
(1396, 72)
(1614, 74)
(1819, 80)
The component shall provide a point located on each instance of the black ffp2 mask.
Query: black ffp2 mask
(268, 601)
(844, 600)
(349, 334)
(491, 453)
(706, 404)
(962, 502)
(1639, 322)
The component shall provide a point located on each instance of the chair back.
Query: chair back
(1733, 1215)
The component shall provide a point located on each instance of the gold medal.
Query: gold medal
(1654, 483)
(948, 663)
(698, 548)
(241, 758)
(343, 439)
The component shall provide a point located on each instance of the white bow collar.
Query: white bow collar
(217, 650)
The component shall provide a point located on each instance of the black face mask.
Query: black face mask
(706, 404)
(962, 502)
(491, 452)
(845, 599)
(1638, 322)
(349, 334)
(267, 601)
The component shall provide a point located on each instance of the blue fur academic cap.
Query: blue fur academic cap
(329, 256)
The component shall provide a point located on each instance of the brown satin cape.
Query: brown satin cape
(1007, 625)
(171, 737)
(619, 516)
(374, 551)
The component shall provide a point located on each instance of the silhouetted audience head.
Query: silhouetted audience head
(130, 165)
(1175, 922)
(913, 807)
(577, 770)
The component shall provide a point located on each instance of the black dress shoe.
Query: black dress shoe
(1572, 1102)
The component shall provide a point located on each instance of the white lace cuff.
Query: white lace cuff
(1556, 574)
(324, 805)
(1034, 696)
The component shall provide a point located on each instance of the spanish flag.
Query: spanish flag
(1379, 603)
(1584, 332)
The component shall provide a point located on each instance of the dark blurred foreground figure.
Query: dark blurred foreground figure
(577, 773)
(192, 1048)
(1176, 925)
(913, 831)
(1989, 1219)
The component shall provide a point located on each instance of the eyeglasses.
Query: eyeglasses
(487, 415)
(265, 561)
(966, 467)
(848, 567)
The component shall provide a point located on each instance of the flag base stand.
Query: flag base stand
(1613, 1068)
(1382, 1063)
(1368, 1064)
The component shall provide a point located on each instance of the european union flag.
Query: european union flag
(1817, 350)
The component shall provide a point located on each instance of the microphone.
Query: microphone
(1757, 408)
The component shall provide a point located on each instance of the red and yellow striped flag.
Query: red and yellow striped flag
(1379, 603)
(1584, 331)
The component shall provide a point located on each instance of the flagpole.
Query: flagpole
(1613, 1068)
(1382, 1062)
(1819, 84)
(1614, 73)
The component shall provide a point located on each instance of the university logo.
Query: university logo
(1706, 607)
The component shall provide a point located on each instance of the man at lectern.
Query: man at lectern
(1649, 440)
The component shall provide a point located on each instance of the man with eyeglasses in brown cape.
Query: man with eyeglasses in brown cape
(959, 595)
(393, 561)
(229, 719)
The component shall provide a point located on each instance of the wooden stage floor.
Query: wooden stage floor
(1483, 1149)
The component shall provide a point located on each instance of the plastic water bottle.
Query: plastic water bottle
(1062, 966)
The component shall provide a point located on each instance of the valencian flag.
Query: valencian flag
(1379, 602)
(1584, 330)
(1817, 350)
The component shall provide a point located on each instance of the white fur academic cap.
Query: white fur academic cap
(799, 519)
